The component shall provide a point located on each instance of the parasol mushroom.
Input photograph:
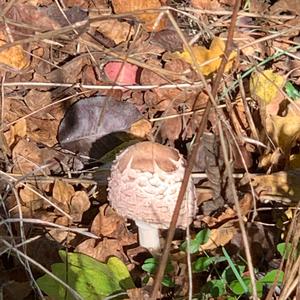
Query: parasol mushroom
(144, 184)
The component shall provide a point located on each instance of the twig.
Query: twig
(192, 157)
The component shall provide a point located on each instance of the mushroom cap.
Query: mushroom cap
(145, 182)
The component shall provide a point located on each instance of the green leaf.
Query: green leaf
(120, 273)
(202, 263)
(237, 287)
(90, 278)
(228, 274)
(150, 265)
(79, 283)
(269, 278)
(291, 91)
(284, 249)
(168, 282)
(214, 288)
(201, 238)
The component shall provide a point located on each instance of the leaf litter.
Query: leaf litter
(83, 80)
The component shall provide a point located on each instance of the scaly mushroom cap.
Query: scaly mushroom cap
(145, 182)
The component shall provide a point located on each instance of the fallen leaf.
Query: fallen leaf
(171, 128)
(108, 223)
(149, 19)
(245, 203)
(35, 99)
(27, 158)
(13, 57)
(167, 39)
(78, 205)
(63, 191)
(141, 128)
(279, 186)
(60, 235)
(42, 131)
(90, 119)
(206, 4)
(265, 86)
(280, 6)
(209, 60)
(115, 30)
(69, 72)
(243, 39)
(121, 72)
(284, 131)
(101, 250)
(19, 129)
(29, 198)
(220, 236)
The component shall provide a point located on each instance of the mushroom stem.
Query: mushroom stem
(148, 235)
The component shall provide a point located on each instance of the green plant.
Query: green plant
(233, 281)
(90, 278)
(291, 91)
(150, 266)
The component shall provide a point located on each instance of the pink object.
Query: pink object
(120, 72)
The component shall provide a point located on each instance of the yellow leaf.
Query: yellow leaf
(284, 131)
(13, 57)
(265, 86)
(208, 59)
(281, 186)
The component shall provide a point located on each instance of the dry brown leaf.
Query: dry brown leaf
(108, 223)
(43, 131)
(61, 235)
(171, 128)
(29, 198)
(13, 57)
(101, 250)
(242, 39)
(19, 129)
(115, 30)
(36, 99)
(63, 191)
(79, 204)
(220, 236)
(285, 6)
(26, 157)
(149, 19)
(245, 205)
(206, 4)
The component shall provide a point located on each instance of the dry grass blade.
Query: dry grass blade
(191, 159)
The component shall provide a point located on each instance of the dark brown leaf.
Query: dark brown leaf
(90, 119)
